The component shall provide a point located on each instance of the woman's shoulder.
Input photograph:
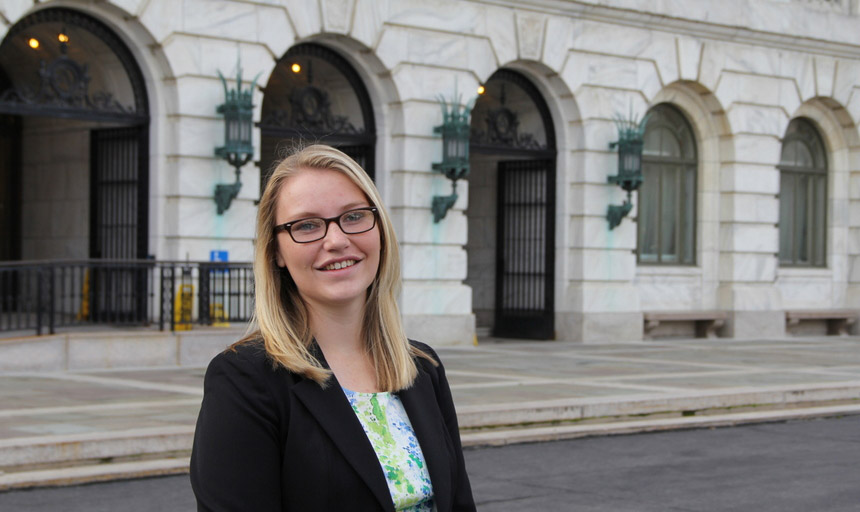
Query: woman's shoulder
(244, 351)
(247, 356)
(420, 350)
(246, 366)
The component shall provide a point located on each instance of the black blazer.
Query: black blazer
(270, 440)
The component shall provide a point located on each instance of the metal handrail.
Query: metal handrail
(47, 294)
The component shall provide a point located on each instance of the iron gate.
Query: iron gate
(524, 250)
(10, 188)
(118, 222)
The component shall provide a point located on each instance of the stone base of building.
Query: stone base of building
(599, 327)
(115, 349)
(756, 324)
(441, 330)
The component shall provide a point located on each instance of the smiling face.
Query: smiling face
(335, 271)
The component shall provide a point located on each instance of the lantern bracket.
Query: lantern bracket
(629, 178)
(455, 130)
(238, 111)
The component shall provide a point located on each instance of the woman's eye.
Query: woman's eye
(353, 216)
(307, 225)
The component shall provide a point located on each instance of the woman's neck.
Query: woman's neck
(338, 334)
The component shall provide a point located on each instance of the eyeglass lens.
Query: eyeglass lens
(351, 223)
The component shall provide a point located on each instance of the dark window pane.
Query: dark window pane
(801, 219)
(668, 221)
(819, 226)
(786, 220)
(649, 214)
(688, 216)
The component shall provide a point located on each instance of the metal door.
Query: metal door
(525, 243)
(118, 222)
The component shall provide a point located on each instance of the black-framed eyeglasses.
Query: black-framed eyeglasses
(311, 229)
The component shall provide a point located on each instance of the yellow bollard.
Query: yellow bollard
(182, 308)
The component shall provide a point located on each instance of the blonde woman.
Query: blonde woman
(327, 406)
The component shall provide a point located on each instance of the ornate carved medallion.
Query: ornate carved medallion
(64, 83)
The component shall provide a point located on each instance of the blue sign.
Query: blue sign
(219, 256)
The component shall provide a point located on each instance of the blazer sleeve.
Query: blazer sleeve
(235, 460)
(462, 499)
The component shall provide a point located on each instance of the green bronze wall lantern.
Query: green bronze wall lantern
(455, 130)
(238, 149)
(629, 177)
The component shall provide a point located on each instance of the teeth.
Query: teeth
(339, 265)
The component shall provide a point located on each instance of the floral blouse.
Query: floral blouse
(390, 432)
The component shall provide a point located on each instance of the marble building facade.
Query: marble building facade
(738, 72)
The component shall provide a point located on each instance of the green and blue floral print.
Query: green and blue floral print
(390, 432)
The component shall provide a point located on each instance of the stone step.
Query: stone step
(532, 434)
(692, 404)
(19, 454)
(93, 473)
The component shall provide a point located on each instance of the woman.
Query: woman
(327, 406)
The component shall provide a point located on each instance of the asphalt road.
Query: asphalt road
(803, 466)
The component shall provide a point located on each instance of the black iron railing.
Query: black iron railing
(46, 295)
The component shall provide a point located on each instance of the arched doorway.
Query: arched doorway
(74, 99)
(74, 170)
(315, 95)
(511, 211)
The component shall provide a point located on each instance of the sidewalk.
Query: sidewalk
(61, 427)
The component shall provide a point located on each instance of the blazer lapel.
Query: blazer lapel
(426, 418)
(331, 409)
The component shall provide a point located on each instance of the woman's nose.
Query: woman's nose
(335, 237)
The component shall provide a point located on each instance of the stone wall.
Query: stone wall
(55, 183)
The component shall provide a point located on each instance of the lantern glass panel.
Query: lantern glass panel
(631, 165)
(450, 149)
(232, 131)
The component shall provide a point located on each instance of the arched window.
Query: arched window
(315, 96)
(802, 197)
(667, 198)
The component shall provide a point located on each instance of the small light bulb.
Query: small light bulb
(481, 89)
(296, 68)
(33, 42)
(63, 38)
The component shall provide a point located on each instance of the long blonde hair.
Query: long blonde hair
(280, 313)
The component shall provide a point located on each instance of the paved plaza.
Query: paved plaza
(141, 420)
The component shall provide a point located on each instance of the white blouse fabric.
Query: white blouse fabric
(390, 433)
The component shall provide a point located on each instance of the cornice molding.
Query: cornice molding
(685, 26)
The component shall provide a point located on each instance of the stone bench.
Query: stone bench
(707, 322)
(839, 321)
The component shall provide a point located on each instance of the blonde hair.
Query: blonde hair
(280, 313)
